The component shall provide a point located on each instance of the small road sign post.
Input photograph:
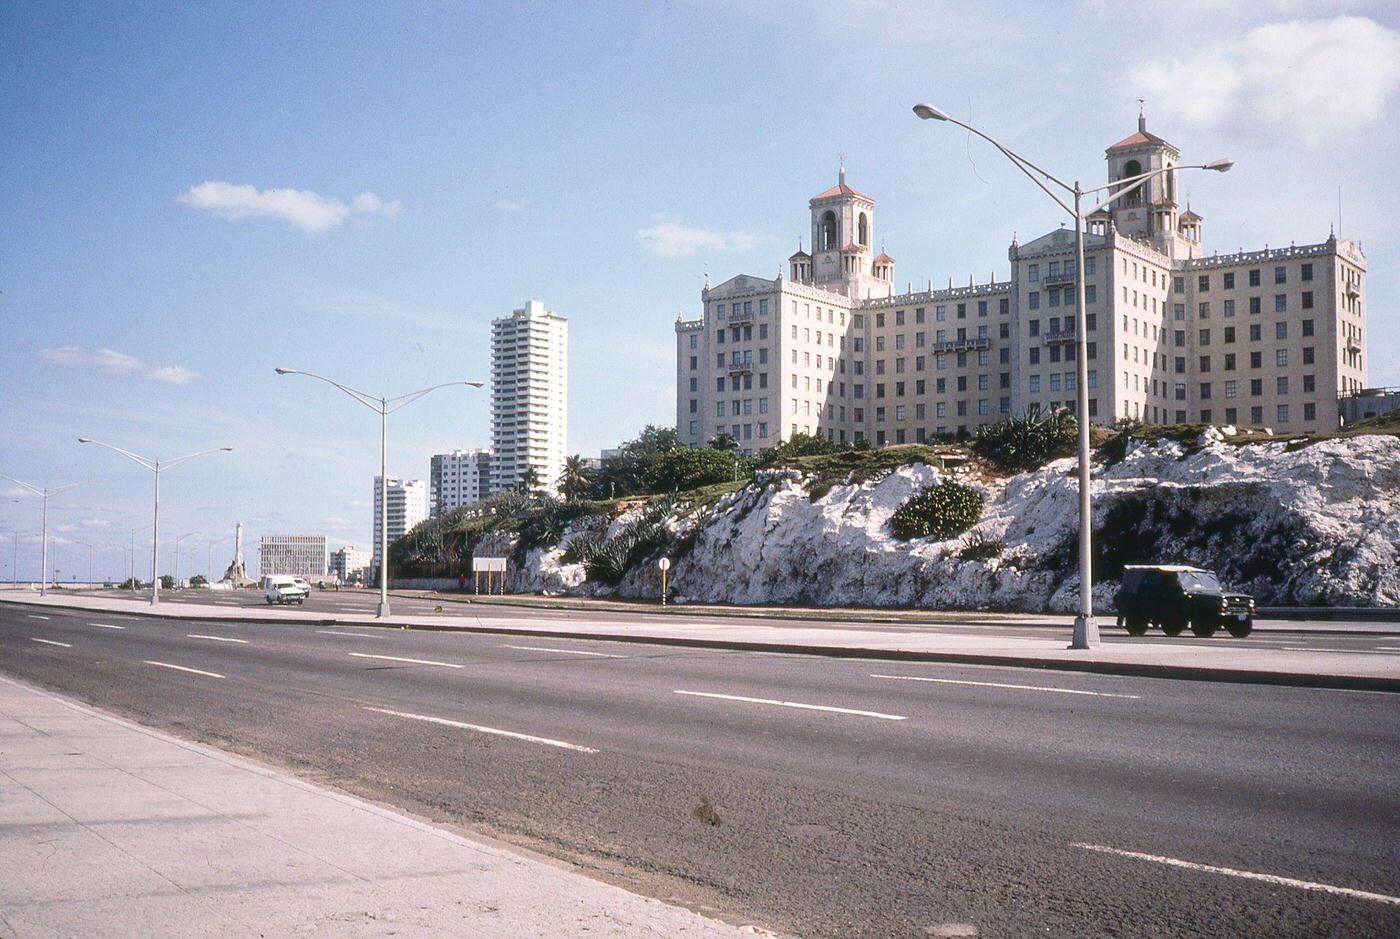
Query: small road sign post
(665, 565)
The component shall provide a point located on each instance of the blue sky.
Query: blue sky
(445, 162)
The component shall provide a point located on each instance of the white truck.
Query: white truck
(283, 588)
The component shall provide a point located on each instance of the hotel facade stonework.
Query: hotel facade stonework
(1266, 338)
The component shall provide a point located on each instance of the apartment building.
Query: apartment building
(457, 479)
(529, 396)
(407, 506)
(1264, 338)
(350, 564)
(301, 556)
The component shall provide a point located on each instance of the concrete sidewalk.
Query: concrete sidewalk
(108, 828)
(1214, 661)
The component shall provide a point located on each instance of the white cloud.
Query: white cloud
(510, 205)
(172, 375)
(116, 363)
(95, 522)
(309, 211)
(668, 238)
(1317, 77)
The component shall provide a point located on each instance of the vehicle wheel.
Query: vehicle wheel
(1173, 627)
(269, 600)
(1240, 630)
(1135, 626)
(1204, 630)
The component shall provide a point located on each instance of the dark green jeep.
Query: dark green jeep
(1174, 596)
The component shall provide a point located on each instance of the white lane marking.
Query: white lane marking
(395, 658)
(1334, 651)
(107, 625)
(1248, 875)
(333, 632)
(216, 638)
(50, 642)
(485, 730)
(181, 668)
(1388, 648)
(37, 616)
(794, 704)
(601, 655)
(998, 684)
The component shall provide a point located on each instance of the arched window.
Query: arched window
(1130, 169)
(864, 230)
(829, 231)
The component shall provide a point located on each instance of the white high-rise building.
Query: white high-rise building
(408, 505)
(297, 555)
(529, 396)
(1174, 334)
(459, 478)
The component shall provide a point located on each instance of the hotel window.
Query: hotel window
(899, 317)
(1307, 327)
(1203, 310)
(1256, 387)
(1205, 391)
(1033, 273)
(1256, 415)
(1203, 283)
(879, 320)
(1307, 272)
(1256, 332)
(763, 308)
(1254, 306)
(1281, 357)
(1309, 355)
(1034, 386)
(1309, 383)
(1309, 411)
(1307, 299)
(1229, 282)
(1254, 277)
(1090, 294)
(1205, 363)
(1281, 385)
(1280, 302)
(1256, 360)
(1229, 307)
(1033, 301)
(1231, 389)
(1281, 330)
(1003, 306)
(1280, 275)
(1283, 414)
(1034, 354)
(1204, 337)
(1178, 311)
(1229, 361)
(918, 316)
(962, 311)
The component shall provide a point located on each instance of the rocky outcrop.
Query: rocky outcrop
(1294, 525)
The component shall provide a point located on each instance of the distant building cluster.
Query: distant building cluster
(529, 429)
(1266, 338)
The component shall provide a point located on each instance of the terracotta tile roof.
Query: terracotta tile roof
(883, 258)
(853, 247)
(840, 189)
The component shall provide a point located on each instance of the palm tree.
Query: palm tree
(529, 480)
(576, 478)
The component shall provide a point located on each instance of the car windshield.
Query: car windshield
(1193, 580)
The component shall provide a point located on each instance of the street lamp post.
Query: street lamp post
(178, 539)
(383, 407)
(1086, 630)
(44, 559)
(155, 466)
(91, 550)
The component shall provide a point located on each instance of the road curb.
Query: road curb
(1124, 669)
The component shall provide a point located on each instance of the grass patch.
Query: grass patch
(852, 467)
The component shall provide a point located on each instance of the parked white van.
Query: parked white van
(283, 588)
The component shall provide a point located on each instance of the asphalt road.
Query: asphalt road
(812, 796)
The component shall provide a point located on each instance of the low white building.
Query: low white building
(407, 506)
(301, 556)
(350, 563)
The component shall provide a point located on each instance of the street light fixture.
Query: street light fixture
(178, 539)
(383, 407)
(44, 493)
(1086, 630)
(155, 466)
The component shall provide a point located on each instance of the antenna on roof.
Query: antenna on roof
(1142, 116)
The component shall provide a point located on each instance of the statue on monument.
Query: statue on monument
(236, 575)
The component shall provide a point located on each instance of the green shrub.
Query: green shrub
(1028, 442)
(941, 511)
(685, 469)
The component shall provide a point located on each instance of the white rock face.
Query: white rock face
(1316, 525)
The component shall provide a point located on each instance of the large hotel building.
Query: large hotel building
(1265, 338)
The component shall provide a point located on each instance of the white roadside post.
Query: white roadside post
(155, 466)
(665, 565)
(383, 407)
(1086, 629)
(43, 493)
